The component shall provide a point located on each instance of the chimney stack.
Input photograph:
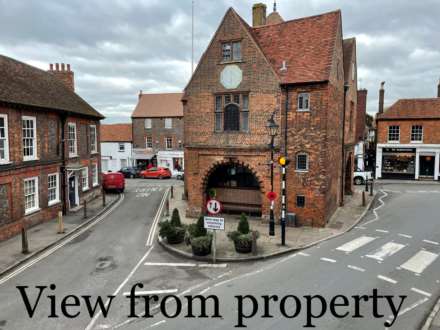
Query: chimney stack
(438, 88)
(64, 75)
(258, 14)
(140, 94)
(381, 96)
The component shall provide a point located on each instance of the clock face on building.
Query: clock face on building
(231, 76)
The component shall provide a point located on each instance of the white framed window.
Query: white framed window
(169, 143)
(4, 139)
(304, 102)
(393, 133)
(93, 139)
(121, 147)
(53, 189)
(302, 162)
(29, 135)
(417, 133)
(72, 140)
(95, 175)
(168, 123)
(85, 178)
(149, 142)
(148, 123)
(31, 201)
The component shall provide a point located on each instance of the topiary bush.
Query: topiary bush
(201, 246)
(242, 237)
(175, 218)
(243, 224)
(173, 230)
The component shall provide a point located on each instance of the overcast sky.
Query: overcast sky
(118, 47)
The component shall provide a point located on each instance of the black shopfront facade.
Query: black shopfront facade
(399, 163)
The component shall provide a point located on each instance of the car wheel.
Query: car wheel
(358, 180)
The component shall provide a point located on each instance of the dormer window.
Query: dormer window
(231, 51)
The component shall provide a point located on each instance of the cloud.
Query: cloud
(118, 47)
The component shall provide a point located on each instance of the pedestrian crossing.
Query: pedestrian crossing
(416, 264)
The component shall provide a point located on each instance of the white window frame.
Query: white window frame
(168, 123)
(93, 139)
(34, 141)
(121, 144)
(393, 141)
(95, 180)
(57, 189)
(307, 162)
(85, 179)
(308, 102)
(166, 143)
(75, 152)
(148, 123)
(5, 160)
(421, 136)
(37, 200)
(146, 142)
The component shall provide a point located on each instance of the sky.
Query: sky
(118, 47)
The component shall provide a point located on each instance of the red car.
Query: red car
(156, 173)
(113, 181)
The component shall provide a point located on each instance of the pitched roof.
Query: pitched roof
(159, 105)
(274, 18)
(306, 44)
(412, 109)
(116, 133)
(24, 84)
(348, 46)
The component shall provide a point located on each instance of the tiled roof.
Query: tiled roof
(159, 105)
(23, 84)
(116, 133)
(412, 109)
(306, 44)
(348, 47)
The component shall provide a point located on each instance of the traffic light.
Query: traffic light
(283, 161)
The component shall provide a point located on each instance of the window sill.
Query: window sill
(95, 185)
(394, 142)
(94, 152)
(73, 155)
(30, 159)
(230, 62)
(53, 203)
(5, 162)
(417, 142)
(85, 189)
(32, 211)
(301, 171)
(302, 110)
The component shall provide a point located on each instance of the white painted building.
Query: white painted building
(116, 147)
(172, 159)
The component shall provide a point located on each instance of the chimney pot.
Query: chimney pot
(68, 67)
(258, 14)
(51, 67)
(140, 94)
(438, 88)
(63, 68)
(57, 66)
(381, 96)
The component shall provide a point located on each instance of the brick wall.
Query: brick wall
(431, 130)
(361, 114)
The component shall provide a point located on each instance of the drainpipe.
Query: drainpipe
(286, 110)
(63, 165)
(341, 201)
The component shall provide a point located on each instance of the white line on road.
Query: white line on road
(385, 251)
(180, 264)
(382, 203)
(157, 323)
(404, 235)
(63, 243)
(382, 231)
(431, 242)
(421, 292)
(304, 254)
(212, 265)
(328, 260)
(359, 269)
(409, 308)
(360, 227)
(386, 279)
(150, 238)
(146, 293)
(418, 262)
(355, 244)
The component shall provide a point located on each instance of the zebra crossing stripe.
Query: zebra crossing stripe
(385, 251)
(355, 244)
(419, 262)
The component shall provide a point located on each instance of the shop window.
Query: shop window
(303, 101)
(300, 201)
(394, 133)
(417, 133)
(302, 162)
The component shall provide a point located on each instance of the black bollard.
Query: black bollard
(24, 241)
(85, 209)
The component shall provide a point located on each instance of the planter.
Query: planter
(176, 236)
(243, 245)
(201, 246)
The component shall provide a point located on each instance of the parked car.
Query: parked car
(179, 175)
(113, 181)
(156, 173)
(359, 177)
(130, 172)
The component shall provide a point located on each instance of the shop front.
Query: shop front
(398, 163)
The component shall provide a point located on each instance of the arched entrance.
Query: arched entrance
(236, 186)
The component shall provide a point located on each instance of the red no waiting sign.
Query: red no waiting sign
(271, 195)
(213, 206)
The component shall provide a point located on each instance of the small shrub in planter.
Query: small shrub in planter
(201, 246)
(175, 218)
(173, 234)
(242, 237)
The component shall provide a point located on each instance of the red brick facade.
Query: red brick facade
(317, 132)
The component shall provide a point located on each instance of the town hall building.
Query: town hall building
(302, 74)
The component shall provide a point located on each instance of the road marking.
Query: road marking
(212, 265)
(157, 323)
(179, 264)
(431, 242)
(409, 308)
(96, 317)
(328, 260)
(146, 293)
(418, 262)
(205, 290)
(355, 244)
(360, 227)
(421, 292)
(382, 203)
(385, 251)
(386, 279)
(304, 254)
(150, 238)
(382, 231)
(359, 269)
(404, 235)
(62, 243)
(224, 274)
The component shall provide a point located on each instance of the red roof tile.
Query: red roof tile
(159, 105)
(116, 133)
(413, 109)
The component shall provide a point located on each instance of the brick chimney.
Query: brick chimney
(381, 96)
(361, 113)
(258, 14)
(438, 88)
(64, 74)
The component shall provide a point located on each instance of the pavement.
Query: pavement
(269, 246)
(45, 234)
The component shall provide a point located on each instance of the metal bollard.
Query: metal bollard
(60, 223)
(85, 209)
(366, 184)
(254, 243)
(103, 197)
(172, 191)
(371, 188)
(167, 207)
(24, 241)
(363, 198)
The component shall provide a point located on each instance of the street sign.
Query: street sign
(214, 223)
(213, 206)
(271, 195)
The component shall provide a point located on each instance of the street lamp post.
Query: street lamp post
(272, 129)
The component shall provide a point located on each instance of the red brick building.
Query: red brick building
(49, 145)
(295, 70)
(408, 138)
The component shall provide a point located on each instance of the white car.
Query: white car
(179, 175)
(359, 177)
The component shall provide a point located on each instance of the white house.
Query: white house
(116, 147)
